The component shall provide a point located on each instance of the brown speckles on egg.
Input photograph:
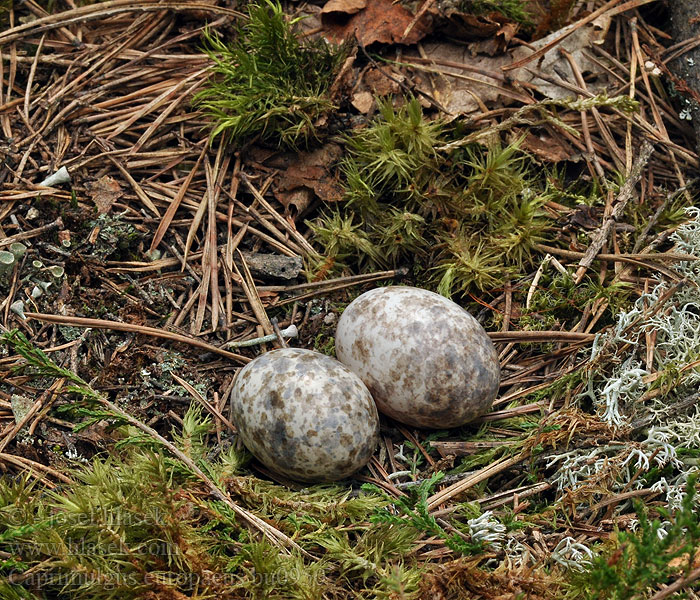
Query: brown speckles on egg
(305, 415)
(276, 401)
(427, 361)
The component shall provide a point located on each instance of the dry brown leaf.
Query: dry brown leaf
(584, 217)
(348, 7)
(379, 21)
(363, 102)
(382, 82)
(505, 34)
(555, 64)
(547, 148)
(473, 86)
(343, 82)
(467, 27)
(462, 96)
(105, 192)
(310, 172)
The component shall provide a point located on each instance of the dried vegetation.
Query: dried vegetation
(204, 193)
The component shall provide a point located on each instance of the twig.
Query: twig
(32, 233)
(140, 329)
(600, 237)
(30, 465)
(528, 337)
(461, 486)
(677, 585)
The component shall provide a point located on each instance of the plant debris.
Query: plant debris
(222, 177)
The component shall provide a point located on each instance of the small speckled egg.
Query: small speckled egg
(304, 415)
(426, 361)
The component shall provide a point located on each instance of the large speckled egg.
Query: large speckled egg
(304, 415)
(426, 360)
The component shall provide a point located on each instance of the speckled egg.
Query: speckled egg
(426, 360)
(304, 415)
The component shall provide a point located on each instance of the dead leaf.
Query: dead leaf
(584, 217)
(554, 64)
(344, 80)
(505, 34)
(547, 148)
(310, 172)
(96, 433)
(299, 198)
(382, 82)
(380, 21)
(105, 192)
(461, 95)
(348, 7)
(467, 27)
(481, 80)
(259, 155)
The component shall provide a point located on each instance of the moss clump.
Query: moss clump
(637, 563)
(471, 216)
(268, 83)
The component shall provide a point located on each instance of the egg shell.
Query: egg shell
(426, 361)
(305, 415)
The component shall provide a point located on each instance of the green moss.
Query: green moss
(558, 302)
(140, 524)
(636, 563)
(471, 216)
(268, 83)
(515, 10)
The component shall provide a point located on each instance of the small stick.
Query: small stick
(640, 256)
(289, 332)
(421, 11)
(677, 585)
(18, 237)
(600, 236)
(142, 329)
(278, 333)
(536, 279)
(450, 492)
(540, 336)
(31, 465)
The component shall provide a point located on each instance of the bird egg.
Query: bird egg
(427, 362)
(305, 415)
